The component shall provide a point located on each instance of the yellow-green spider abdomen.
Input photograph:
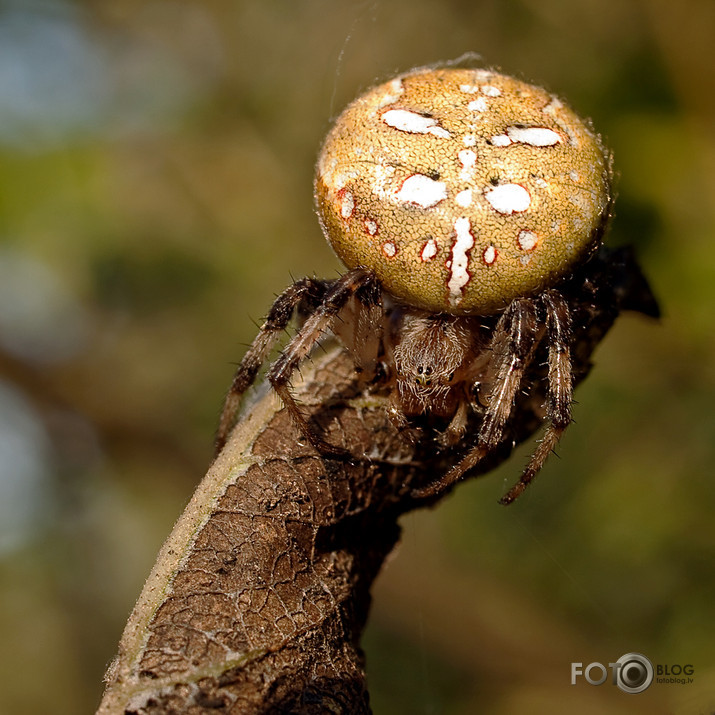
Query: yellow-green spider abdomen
(462, 189)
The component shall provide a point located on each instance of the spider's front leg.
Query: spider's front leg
(512, 345)
(304, 295)
(560, 389)
(358, 283)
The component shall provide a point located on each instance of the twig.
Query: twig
(258, 598)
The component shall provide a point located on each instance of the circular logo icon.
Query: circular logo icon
(635, 673)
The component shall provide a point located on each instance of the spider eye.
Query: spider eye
(419, 369)
(428, 370)
(451, 376)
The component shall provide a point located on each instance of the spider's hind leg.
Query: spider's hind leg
(302, 297)
(560, 387)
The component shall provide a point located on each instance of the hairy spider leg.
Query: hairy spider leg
(359, 283)
(560, 387)
(303, 297)
(513, 343)
(360, 325)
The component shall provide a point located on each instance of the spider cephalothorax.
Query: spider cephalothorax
(462, 201)
(434, 356)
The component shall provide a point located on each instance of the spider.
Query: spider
(461, 201)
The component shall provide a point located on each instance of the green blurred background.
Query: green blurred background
(155, 194)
